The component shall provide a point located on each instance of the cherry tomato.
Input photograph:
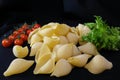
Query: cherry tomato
(20, 30)
(28, 31)
(12, 37)
(6, 43)
(16, 33)
(18, 42)
(36, 26)
(33, 28)
(23, 37)
(25, 26)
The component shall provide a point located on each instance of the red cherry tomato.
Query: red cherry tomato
(25, 26)
(33, 29)
(36, 26)
(20, 30)
(18, 42)
(6, 43)
(12, 37)
(28, 31)
(23, 37)
(16, 33)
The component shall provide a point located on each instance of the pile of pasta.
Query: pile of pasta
(58, 48)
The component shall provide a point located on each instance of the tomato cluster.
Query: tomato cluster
(20, 35)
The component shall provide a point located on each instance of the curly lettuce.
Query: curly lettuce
(102, 35)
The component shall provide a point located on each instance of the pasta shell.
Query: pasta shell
(51, 41)
(20, 51)
(42, 51)
(61, 29)
(57, 47)
(31, 34)
(54, 52)
(88, 48)
(65, 51)
(36, 38)
(79, 60)
(50, 25)
(18, 66)
(82, 30)
(46, 32)
(74, 30)
(35, 47)
(72, 38)
(48, 67)
(45, 64)
(63, 40)
(76, 51)
(98, 64)
(62, 68)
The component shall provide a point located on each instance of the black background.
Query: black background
(71, 12)
(44, 11)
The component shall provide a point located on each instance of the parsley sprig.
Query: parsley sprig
(102, 35)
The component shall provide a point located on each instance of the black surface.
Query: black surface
(14, 12)
(6, 56)
(74, 9)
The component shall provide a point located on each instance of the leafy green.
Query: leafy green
(102, 35)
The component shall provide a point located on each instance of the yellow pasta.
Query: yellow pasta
(63, 40)
(17, 66)
(88, 48)
(51, 41)
(79, 60)
(62, 68)
(61, 29)
(42, 51)
(65, 51)
(72, 38)
(46, 32)
(20, 51)
(45, 65)
(76, 51)
(31, 34)
(98, 64)
(35, 47)
(58, 48)
(36, 38)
